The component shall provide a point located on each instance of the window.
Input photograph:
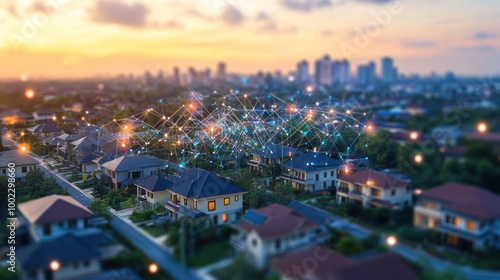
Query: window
(278, 244)
(324, 185)
(152, 195)
(72, 223)
(470, 225)
(86, 263)
(456, 221)
(211, 205)
(317, 177)
(332, 173)
(24, 169)
(185, 201)
(195, 204)
(325, 174)
(226, 201)
(393, 192)
(375, 192)
(236, 198)
(4, 171)
(254, 242)
(224, 217)
(47, 229)
(343, 185)
(136, 174)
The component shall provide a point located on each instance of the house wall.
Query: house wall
(19, 170)
(427, 214)
(401, 194)
(57, 229)
(77, 270)
(221, 209)
(310, 183)
(123, 175)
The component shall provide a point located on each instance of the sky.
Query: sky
(70, 38)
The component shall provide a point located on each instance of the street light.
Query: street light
(29, 93)
(418, 158)
(54, 265)
(414, 135)
(482, 127)
(153, 268)
(391, 241)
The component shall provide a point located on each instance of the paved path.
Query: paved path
(204, 272)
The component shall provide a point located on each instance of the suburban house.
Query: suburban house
(468, 217)
(45, 130)
(277, 229)
(15, 116)
(62, 245)
(128, 169)
(376, 189)
(22, 161)
(195, 193)
(269, 156)
(311, 171)
(43, 114)
(318, 263)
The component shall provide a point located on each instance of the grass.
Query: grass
(84, 185)
(210, 253)
(307, 195)
(154, 230)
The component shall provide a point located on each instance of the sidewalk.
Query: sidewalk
(204, 272)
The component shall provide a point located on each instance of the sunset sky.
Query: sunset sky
(70, 38)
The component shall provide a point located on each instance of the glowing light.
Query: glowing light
(54, 265)
(391, 240)
(23, 148)
(346, 170)
(164, 117)
(309, 88)
(23, 78)
(482, 127)
(30, 93)
(418, 191)
(348, 112)
(86, 112)
(418, 158)
(126, 127)
(123, 145)
(245, 95)
(414, 135)
(22, 133)
(369, 183)
(291, 78)
(153, 268)
(369, 127)
(54, 118)
(331, 111)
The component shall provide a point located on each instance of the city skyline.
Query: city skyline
(68, 39)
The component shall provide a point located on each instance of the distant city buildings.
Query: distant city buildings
(221, 71)
(303, 71)
(366, 74)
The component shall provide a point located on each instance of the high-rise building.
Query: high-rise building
(317, 71)
(221, 71)
(192, 76)
(366, 74)
(340, 72)
(372, 77)
(326, 69)
(345, 70)
(303, 71)
(387, 70)
(177, 76)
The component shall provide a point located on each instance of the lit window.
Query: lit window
(224, 217)
(457, 221)
(226, 201)
(236, 198)
(471, 225)
(211, 206)
(185, 201)
(195, 204)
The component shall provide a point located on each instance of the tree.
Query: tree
(37, 185)
(349, 246)
(381, 215)
(380, 149)
(451, 171)
(114, 197)
(98, 207)
(100, 189)
(283, 193)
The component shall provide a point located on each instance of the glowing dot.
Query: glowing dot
(391, 240)
(54, 265)
(418, 158)
(418, 191)
(30, 94)
(348, 111)
(413, 135)
(346, 170)
(153, 268)
(291, 78)
(309, 89)
(123, 145)
(24, 77)
(23, 148)
(482, 127)
(54, 118)
(86, 112)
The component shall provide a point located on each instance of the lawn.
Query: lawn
(210, 253)
(154, 230)
(85, 184)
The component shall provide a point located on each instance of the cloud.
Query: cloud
(327, 33)
(305, 5)
(375, 1)
(484, 35)
(262, 16)
(478, 48)
(197, 14)
(113, 11)
(171, 24)
(271, 27)
(230, 15)
(419, 44)
(11, 10)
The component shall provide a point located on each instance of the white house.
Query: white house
(468, 217)
(196, 193)
(311, 171)
(269, 155)
(17, 160)
(374, 188)
(277, 229)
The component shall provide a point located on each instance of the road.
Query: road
(410, 253)
(156, 253)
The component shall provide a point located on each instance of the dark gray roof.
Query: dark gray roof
(271, 150)
(84, 146)
(133, 162)
(107, 157)
(69, 137)
(311, 213)
(66, 249)
(17, 157)
(54, 141)
(200, 183)
(311, 161)
(86, 158)
(46, 127)
(154, 183)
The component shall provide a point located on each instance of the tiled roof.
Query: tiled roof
(279, 221)
(311, 213)
(66, 249)
(53, 208)
(200, 183)
(327, 261)
(271, 150)
(154, 183)
(69, 137)
(466, 199)
(487, 137)
(311, 161)
(386, 266)
(46, 127)
(132, 162)
(377, 179)
(17, 157)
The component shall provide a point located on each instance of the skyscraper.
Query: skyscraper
(317, 72)
(387, 70)
(340, 72)
(177, 76)
(366, 74)
(372, 77)
(326, 69)
(221, 71)
(345, 69)
(303, 71)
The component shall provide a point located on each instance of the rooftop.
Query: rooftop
(376, 179)
(17, 157)
(53, 208)
(271, 150)
(132, 162)
(311, 161)
(44, 128)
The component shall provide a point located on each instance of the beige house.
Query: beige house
(374, 188)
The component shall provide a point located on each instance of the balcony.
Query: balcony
(343, 190)
(238, 242)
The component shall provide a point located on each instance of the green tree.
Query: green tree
(451, 171)
(100, 189)
(37, 185)
(98, 207)
(380, 149)
(283, 193)
(114, 197)
(349, 246)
